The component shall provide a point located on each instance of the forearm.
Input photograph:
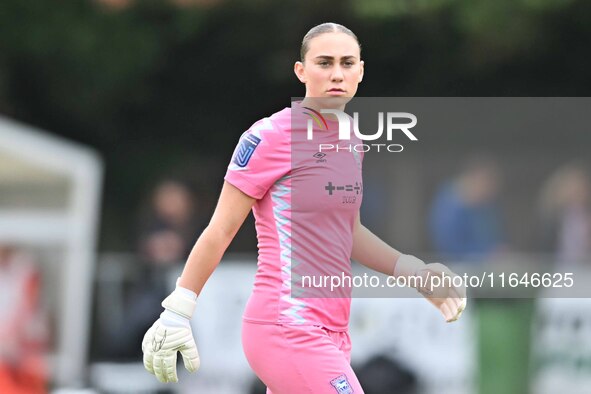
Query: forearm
(204, 258)
(372, 252)
(171, 333)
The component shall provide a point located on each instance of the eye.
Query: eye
(324, 63)
(348, 63)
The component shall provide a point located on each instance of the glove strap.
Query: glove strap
(181, 301)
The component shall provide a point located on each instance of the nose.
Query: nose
(337, 74)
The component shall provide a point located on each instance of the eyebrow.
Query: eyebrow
(326, 57)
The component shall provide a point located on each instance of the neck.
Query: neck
(319, 104)
(323, 103)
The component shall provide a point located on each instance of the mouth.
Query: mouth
(335, 91)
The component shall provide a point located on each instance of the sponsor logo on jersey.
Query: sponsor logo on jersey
(330, 188)
(245, 149)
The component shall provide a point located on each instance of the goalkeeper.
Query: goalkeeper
(293, 344)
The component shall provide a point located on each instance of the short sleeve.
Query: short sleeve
(261, 157)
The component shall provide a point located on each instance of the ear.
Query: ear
(298, 69)
(361, 71)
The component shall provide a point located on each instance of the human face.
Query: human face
(331, 70)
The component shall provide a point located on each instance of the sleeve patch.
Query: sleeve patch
(245, 149)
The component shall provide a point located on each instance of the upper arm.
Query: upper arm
(262, 156)
(232, 208)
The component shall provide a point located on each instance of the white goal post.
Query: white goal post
(49, 200)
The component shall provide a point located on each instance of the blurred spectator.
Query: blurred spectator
(465, 219)
(566, 214)
(381, 375)
(23, 328)
(168, 229)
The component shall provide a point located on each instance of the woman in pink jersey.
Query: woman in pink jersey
(306, 205)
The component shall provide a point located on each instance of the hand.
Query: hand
(435, 282)
(170, 334)
(438, 288)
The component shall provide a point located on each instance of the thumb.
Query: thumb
(190, 357)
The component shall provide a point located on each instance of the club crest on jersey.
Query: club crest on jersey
(341, 385)
(245, 149)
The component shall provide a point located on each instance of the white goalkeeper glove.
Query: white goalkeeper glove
(170, 334)
(447, 298)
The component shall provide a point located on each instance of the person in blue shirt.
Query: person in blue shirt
(465, 219)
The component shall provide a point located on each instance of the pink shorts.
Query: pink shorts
(300, 359)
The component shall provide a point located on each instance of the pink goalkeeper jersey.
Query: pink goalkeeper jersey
(307, 204)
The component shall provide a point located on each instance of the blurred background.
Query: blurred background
(118, 119)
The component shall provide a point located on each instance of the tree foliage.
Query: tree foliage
(154, 85)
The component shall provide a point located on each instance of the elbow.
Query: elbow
(220, 235)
